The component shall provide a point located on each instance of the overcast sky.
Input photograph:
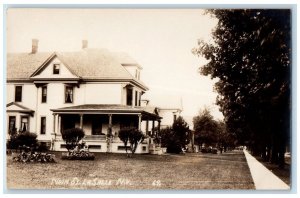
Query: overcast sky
(160, 40)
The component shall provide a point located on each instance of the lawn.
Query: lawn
(116, 171)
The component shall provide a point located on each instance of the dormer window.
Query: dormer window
(56, 68)
(128, 96)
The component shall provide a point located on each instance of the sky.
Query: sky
(160, 40)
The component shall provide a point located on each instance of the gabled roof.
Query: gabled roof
(22, 65)
(94, 63)
(87, 64)
(18, 108)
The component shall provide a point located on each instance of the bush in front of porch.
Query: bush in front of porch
(76, 151)
(132, 136)
(72, 137)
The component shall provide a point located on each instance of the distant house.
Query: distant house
(93, 89)
(169, 115)
(169, 108)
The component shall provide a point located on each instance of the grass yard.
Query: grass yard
(115, 171)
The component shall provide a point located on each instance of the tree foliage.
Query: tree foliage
(211, 132)
(177, 137)
(72, 137)
(206, 128)
(181, 131)
(250, 57)
(131, 136)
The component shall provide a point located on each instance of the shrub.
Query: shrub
(22, 139)
(72, 137)
(132, 136)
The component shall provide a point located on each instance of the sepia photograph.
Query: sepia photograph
(148, 98)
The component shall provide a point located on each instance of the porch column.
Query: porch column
(81, 121)
(147, 126)
(153, 125)
(59, 124)
(158, 127)
(54, 121)
(140, 122)
(54, 132)
(110, 123)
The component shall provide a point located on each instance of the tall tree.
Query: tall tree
(181, 131)
(250, 57)
(205, 128)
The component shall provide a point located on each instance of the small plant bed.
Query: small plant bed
(78, 156)
(27, 155)
(80, 152)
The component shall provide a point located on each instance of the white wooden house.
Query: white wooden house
(93, 89)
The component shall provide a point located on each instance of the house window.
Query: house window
(136, 98)
(69, 94)
(12, 124)
(18, 94)
(174, 117)
(129, 97)
(56, 68)
(140, 95)
(44, 94)
(24, 123)
(43, 125)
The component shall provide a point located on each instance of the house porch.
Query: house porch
(102, 125)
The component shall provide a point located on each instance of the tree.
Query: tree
(250, 57)
(132, 136)
(205, 128)
(177, 137)
(72, 137)
(164, 136)
(181, 131)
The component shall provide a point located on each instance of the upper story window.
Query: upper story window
(56, 68)
(128, 96)
(69, 94)
(18, 94)
(136, 98)
(44, 94)
(140, 98)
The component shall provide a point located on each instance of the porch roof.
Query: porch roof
(107, 109)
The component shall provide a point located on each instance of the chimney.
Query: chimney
(35, 45)
(84, 44)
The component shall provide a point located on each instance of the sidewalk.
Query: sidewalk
(263, 178)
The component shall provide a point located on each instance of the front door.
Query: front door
(96, 127)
